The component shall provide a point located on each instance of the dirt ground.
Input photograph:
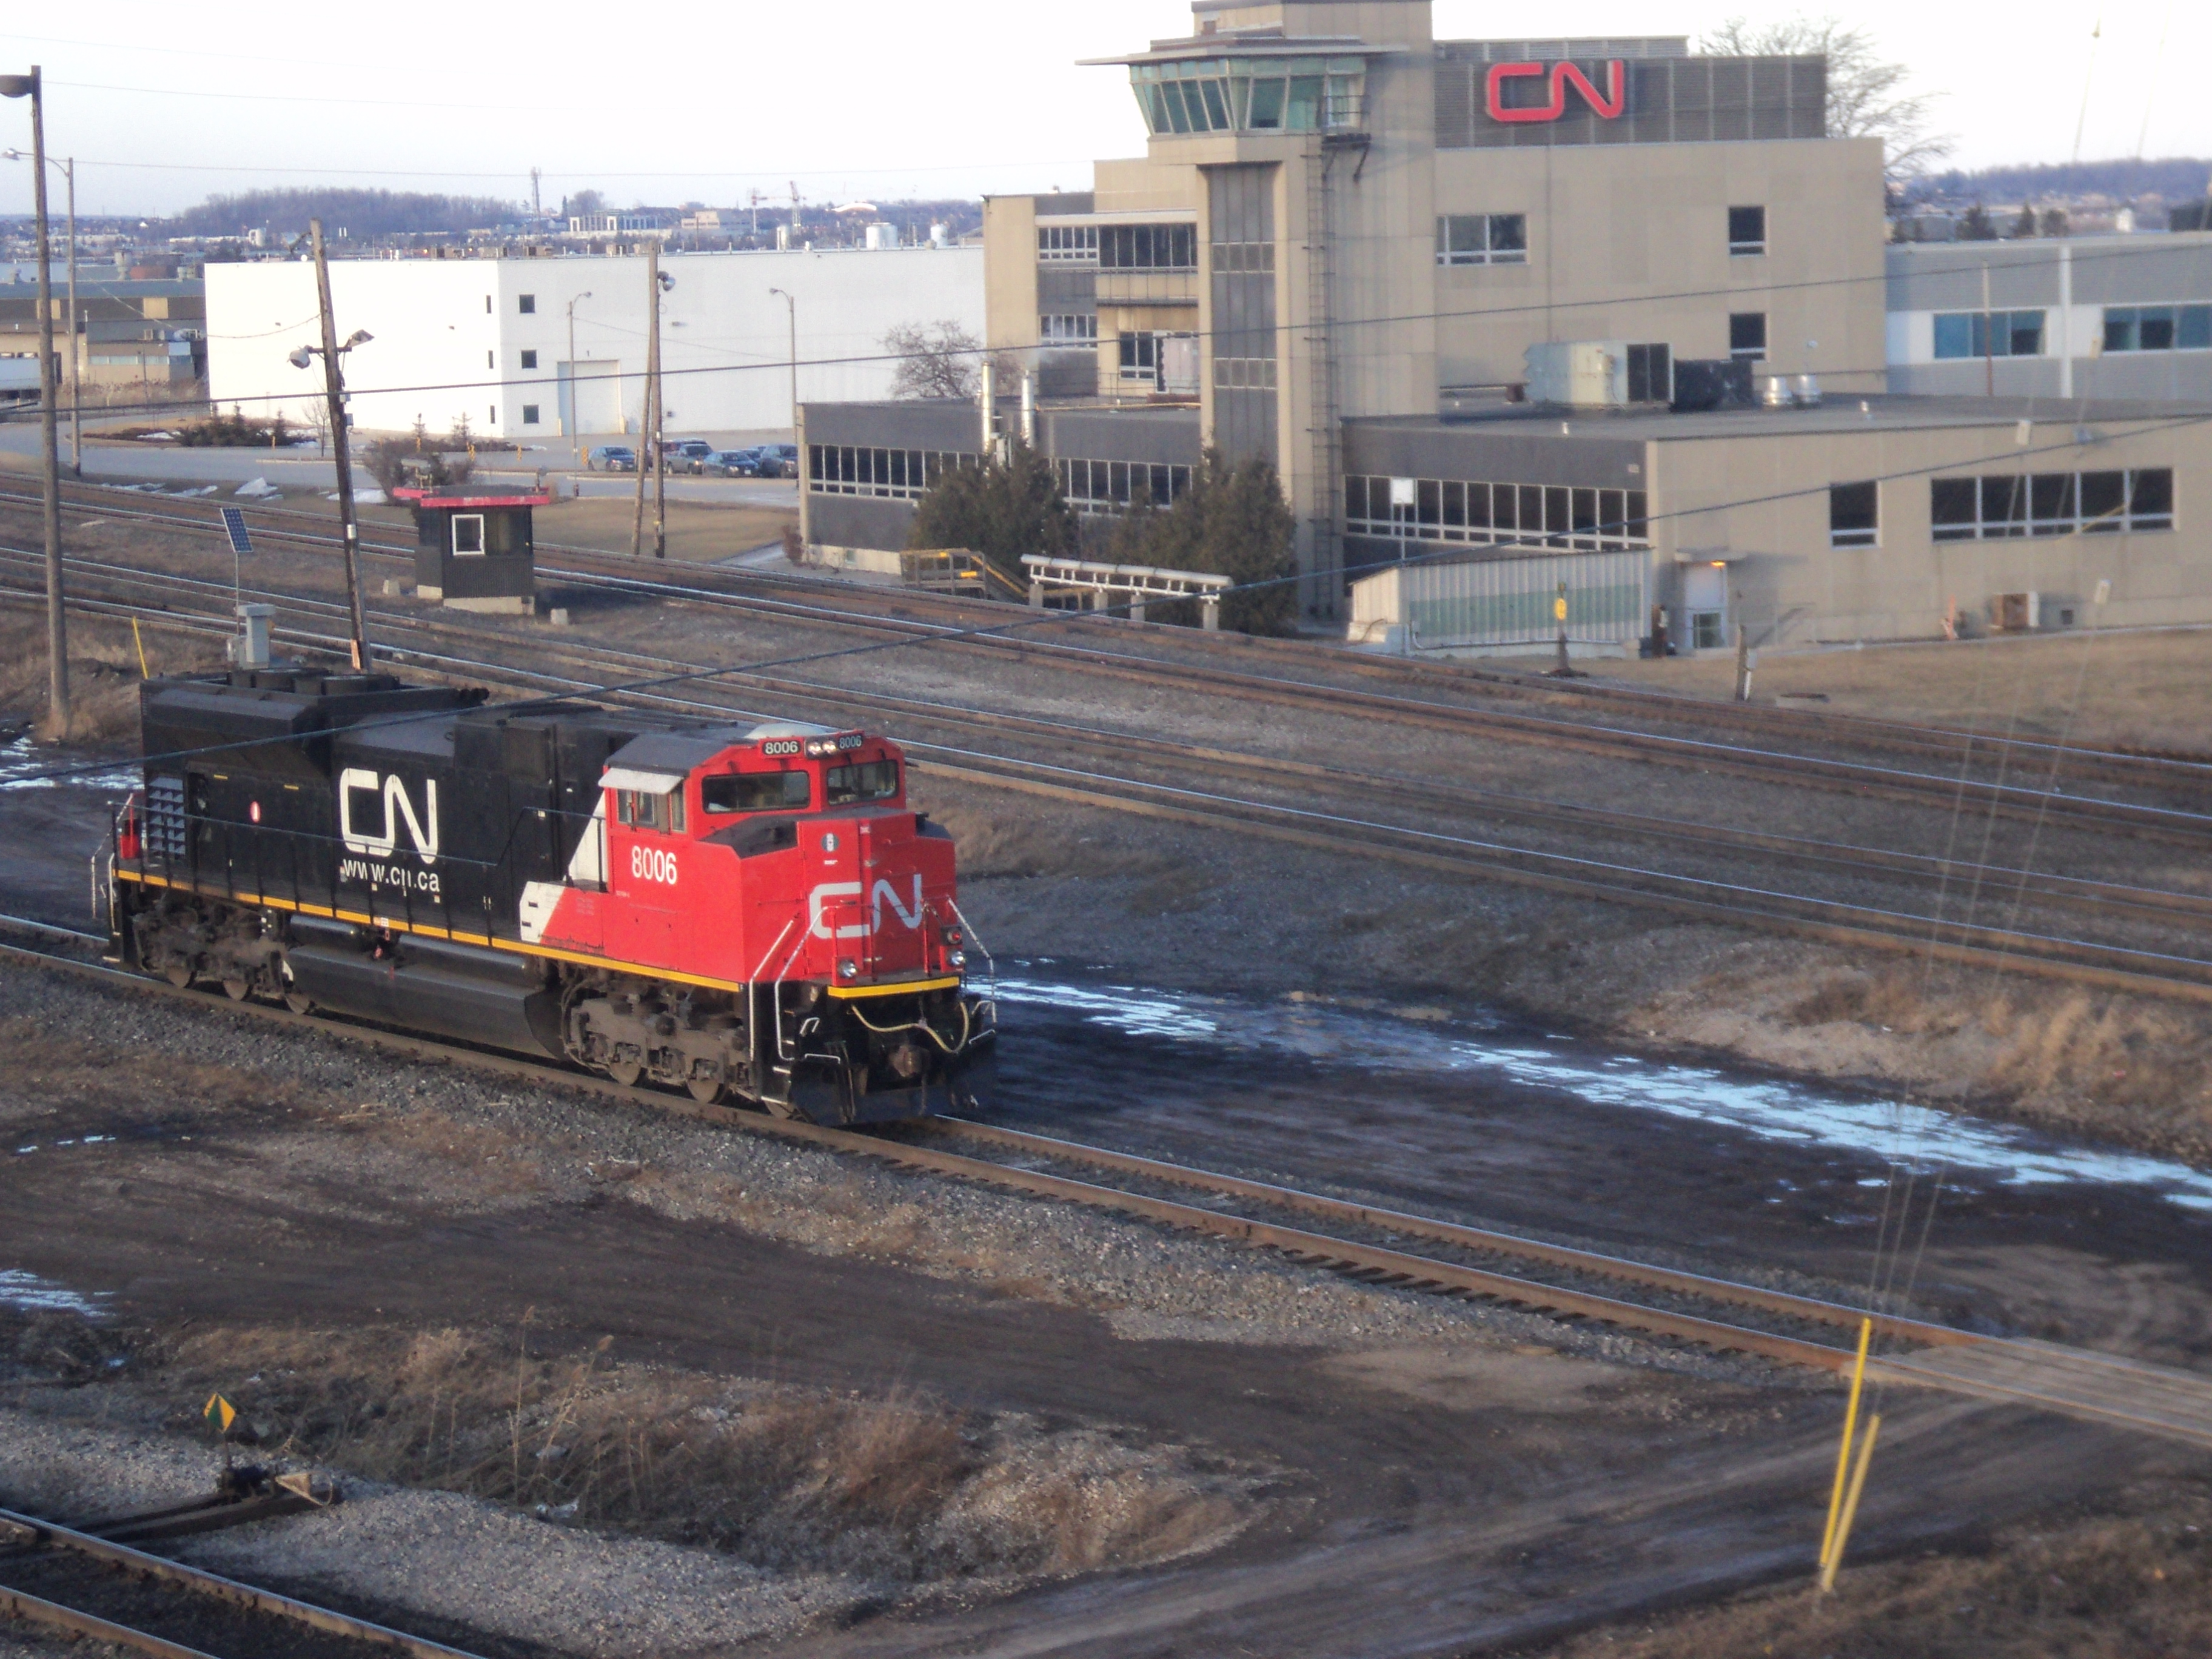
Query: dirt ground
(2138, 689)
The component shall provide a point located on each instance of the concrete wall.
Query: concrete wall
(450, 335)
(1789, 587)
(2070, 280)
(1630, 242)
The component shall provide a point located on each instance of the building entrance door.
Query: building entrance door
(1704, 605)
(591, 398)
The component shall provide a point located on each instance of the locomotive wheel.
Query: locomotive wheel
(178, 975)
(705, 1090)
(626, 1075)
(298, 1004)
(235, 989)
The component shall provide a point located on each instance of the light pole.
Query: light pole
(575, 421)
(334, 388)
(58, 697)
(67, 165)
(792, 306)
(656, 283)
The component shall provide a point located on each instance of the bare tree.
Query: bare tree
(936, 359)
(1867, 95)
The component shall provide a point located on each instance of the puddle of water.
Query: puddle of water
(19, 760)
(31, 1294)
(1914, 1137)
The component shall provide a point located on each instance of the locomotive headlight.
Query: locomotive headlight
(958, 958)
(848, 969)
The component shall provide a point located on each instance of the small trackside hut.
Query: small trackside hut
(474, 551)
(747, 912)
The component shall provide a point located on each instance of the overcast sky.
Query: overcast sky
(166, 105)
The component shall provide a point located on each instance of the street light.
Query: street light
(76, 414)
(341, 447)
(57, 698)
(791, 306)
(575, 412)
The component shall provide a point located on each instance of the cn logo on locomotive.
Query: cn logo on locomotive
(821, 897)
(398, 809)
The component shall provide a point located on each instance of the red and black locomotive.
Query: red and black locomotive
(748, 912)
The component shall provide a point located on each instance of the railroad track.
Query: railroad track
(863, 605)
(1364, 1242)
(81, 1585)
(2052, 805)
(2170, 973)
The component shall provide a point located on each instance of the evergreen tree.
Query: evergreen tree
(1975, 226)
(2025, 225)
(1000, 511)
(1232, 521)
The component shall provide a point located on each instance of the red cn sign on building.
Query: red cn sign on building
(1607, 104)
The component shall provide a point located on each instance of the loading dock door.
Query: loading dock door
(591, 398)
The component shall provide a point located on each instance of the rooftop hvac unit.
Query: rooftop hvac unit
(1579, 373)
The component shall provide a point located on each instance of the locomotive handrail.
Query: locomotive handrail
(752, 1010)
(782, 1050)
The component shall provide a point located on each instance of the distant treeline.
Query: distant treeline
(2176, 178)
(360, 213)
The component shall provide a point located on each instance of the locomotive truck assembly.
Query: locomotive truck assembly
(746, 911)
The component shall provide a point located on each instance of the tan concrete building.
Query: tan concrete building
(1519, 315)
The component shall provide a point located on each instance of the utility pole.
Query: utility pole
(791, 309)
(341, 449)
(57, 695)
(649, 421)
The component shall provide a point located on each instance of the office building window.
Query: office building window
(1995, 334)
(1140, 358)
(1854, 514)
(1068, 244)
(492, 414)
(1748, 334)
(897, 474)
(1067, 330)
(1746, 230)
(2007, 505)
(1482, 239)
(491, 361)
(1098, 487)
(2158, 328)
(1578, 518)
(530, 360)
(529, 413)
(1244, 373)
(1148, 248)
(1251, 257)
(529, 302)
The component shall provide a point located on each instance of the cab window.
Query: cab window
(644, 811)
(754, 791)
(876, 779)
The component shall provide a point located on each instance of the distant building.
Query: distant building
(147, 332)
(2060, 317)
(488, 339)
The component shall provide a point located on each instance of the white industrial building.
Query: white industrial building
(490, 339)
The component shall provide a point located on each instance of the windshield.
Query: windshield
(756, 792)
(876, 779)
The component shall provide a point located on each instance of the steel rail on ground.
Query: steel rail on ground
(1704, 754)
(2122, 1391)
(1690, 897)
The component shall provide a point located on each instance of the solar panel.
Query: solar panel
(234, 522)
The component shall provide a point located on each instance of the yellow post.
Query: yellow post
(1844, 1451)
(1850, 1506)
(139, 641)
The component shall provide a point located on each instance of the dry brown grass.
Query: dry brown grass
(2132, 1585)
(892, 1485)
(44, 1070)
(104, 675)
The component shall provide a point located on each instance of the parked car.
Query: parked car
(688, 455)
(732, 464)
(612, 457)
(779, 461)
